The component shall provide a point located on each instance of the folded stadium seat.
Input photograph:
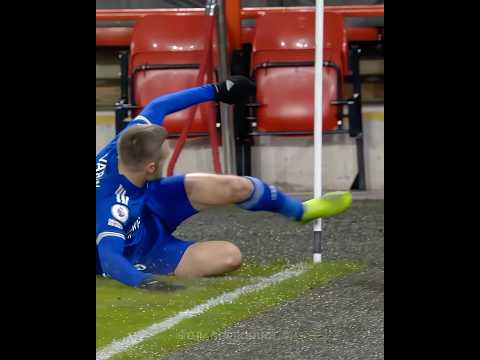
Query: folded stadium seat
(283, 67)
(166, 52)
(362, 34)
(247, 34)
(283, 58)
(113, 36)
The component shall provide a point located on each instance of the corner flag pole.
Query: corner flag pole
(318, 131)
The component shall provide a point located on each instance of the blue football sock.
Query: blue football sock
(265, 197)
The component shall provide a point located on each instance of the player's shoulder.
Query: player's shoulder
(108, 151)
(112, 207)
(106, 168)
(139, 120)
(111, 191)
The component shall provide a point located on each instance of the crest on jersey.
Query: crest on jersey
(120, 212)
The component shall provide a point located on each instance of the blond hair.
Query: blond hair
(141, 144)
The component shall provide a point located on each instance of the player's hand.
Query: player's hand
(235, 90)
(157, 284)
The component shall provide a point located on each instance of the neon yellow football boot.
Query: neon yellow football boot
(330, 204)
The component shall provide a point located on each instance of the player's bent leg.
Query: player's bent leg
(207, 190)
(208, 259)
(266, 197)
(253, 194)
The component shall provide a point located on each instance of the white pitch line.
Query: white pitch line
(155, 329)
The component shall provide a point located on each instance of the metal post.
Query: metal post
(357, 95)
(120, 111)
(210, 7)
(226, 111)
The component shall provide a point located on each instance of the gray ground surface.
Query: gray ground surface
(340, 320)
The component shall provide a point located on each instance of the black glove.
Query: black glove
(153, 283)
(235, 90)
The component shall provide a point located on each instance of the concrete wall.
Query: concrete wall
(374, 133)
(288, 162)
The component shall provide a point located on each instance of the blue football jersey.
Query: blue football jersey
(119, 203)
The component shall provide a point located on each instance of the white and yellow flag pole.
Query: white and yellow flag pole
(318, 124)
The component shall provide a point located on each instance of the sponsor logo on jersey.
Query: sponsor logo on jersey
(135, 227)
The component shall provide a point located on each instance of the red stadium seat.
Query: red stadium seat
(247, 34)
(166, 52)
(113, 36)
(362, 34)
(283, 62)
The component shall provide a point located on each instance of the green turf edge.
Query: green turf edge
(128, 310)
(217, 319)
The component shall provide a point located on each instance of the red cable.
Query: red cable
(188, 124)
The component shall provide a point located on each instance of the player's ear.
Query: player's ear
(151, 168)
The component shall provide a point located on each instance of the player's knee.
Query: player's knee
(233, 257)
(239, 188)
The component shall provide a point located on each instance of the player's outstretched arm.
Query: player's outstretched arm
(110, 251)
(114, 264)
(235, 90)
